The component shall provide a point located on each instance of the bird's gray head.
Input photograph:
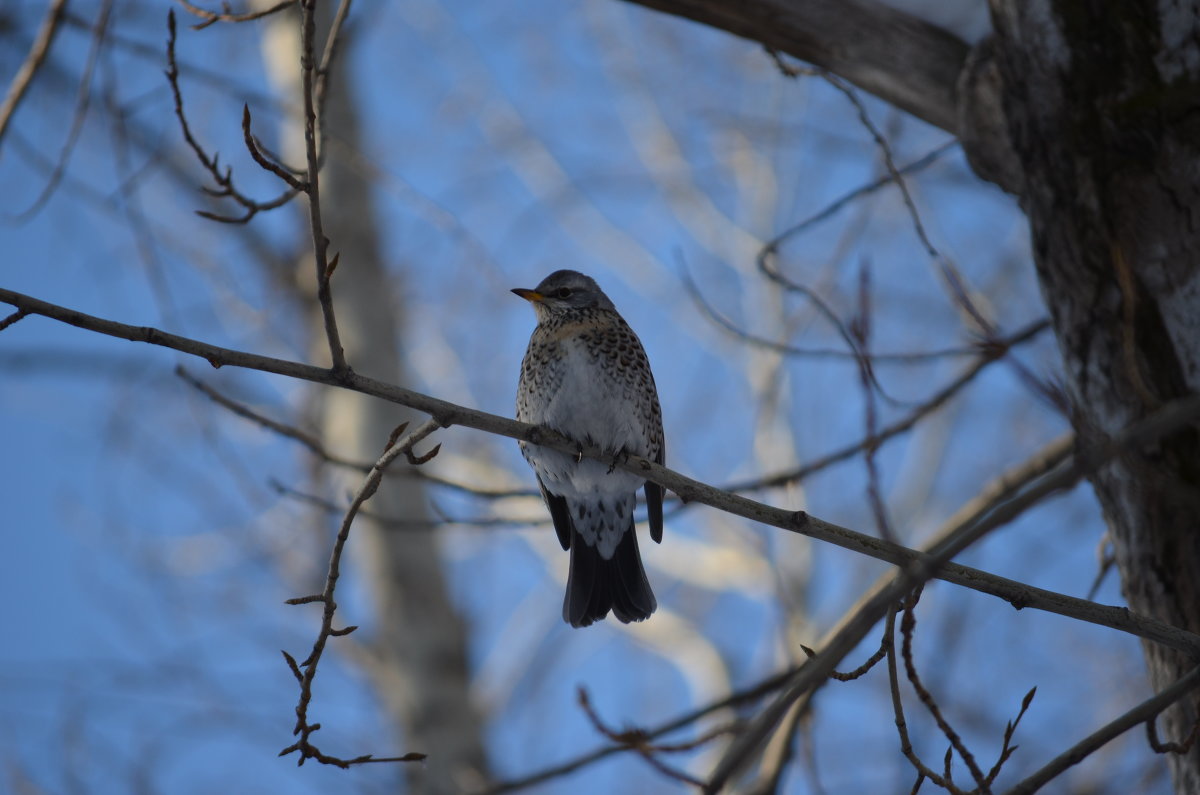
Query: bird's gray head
(565, 291)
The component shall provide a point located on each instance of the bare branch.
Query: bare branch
(256, 151)
(212, 17)
(900, 58)
(324, 265)
(222, 179)
(989, 352)
(33, 61)
(317, 447)
(83, 100)
(774, 244)
(309, 667)
(908, 627)
(13, 318)
(639, 741)
(1145, 711)
(919, 565)
(920, 568)
(906, 748)
(1170, 747)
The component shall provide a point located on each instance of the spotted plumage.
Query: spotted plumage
(586, 375)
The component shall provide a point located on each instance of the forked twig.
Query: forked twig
(306, 671)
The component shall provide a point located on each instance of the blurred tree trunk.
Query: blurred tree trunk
(417, 651)
(1101, 104)
(1088, 112)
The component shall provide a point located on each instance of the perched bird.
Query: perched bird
(586, 376)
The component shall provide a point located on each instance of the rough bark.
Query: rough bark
(898, 57)
(1088, 112)
(1101, 106)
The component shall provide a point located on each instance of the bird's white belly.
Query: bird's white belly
(590, 406)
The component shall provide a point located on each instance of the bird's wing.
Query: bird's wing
(654, 500)
(561, 515)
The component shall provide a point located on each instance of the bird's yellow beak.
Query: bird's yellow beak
(533, 296)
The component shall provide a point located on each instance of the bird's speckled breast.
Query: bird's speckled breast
(586, 375)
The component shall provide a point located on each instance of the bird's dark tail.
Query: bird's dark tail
(596, 585)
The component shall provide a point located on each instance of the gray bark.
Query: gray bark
(1087, 112)
(898, 57)
(1100, 104)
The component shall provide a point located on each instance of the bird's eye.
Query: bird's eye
(564, 292)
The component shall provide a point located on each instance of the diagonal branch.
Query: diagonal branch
(919, 566)
(1147, 710)
(306, 672)
(222, 179)
(212, 17)
(898, 57)
(33, 61)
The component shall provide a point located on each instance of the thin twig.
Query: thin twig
(1143, 712)
(13, 318)
(814, 353)
(989, 353)
(639, 741)
(33, 61)
(908, 627)
(739, 698)
(1170, 747)
(317, 447)
(223, 179)
(257, 152)
(83, 100)
(324, 265)
(305, 672)
(949, 270)
(860, 330)
(212, 17)
(906, 747)
(773, 245)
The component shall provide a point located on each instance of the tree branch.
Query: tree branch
(896, 56)
(324, 265)
(306, 672)
(33, 61)
(921, 566)
(1147, 710)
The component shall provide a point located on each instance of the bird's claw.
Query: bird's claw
(622, 457)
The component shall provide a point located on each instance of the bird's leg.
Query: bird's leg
(620, 457)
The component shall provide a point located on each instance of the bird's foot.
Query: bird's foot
(622, 457)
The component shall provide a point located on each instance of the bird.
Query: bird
(586, 375)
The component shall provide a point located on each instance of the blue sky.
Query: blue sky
(503, 141)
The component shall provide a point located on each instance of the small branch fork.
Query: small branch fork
(221, 177)
(944, 780)
(949, 272)
(640, 740)
(314, 78)
(306, 671)
(1145, 712)
(227, 14)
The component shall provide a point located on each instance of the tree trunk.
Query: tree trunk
(1087, 112)
(1101, 106)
